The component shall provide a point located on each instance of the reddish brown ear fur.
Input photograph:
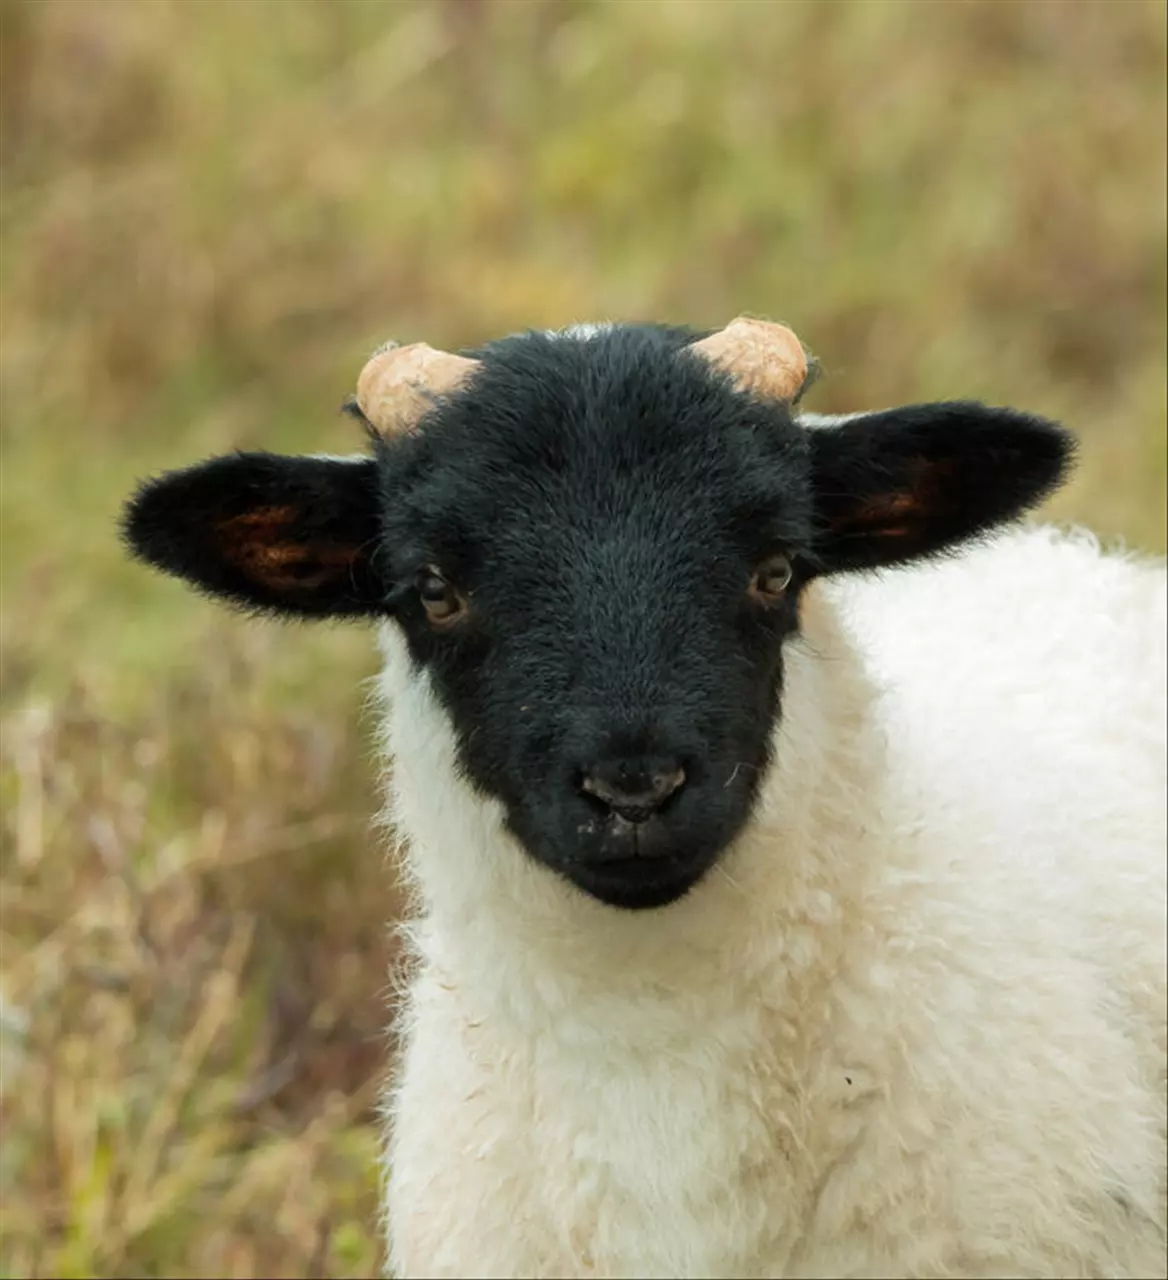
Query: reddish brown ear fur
(899, 514)
(264, 545)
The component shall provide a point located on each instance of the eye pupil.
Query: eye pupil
(433, 588)
(771, 578)
(440, 599)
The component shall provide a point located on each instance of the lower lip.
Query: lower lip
(638, 868)
(637, 882)
(638, 864)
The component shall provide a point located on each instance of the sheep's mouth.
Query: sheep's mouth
(639, 883)
(637, 864)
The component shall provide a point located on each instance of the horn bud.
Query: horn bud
(399, 384)
(762, 357)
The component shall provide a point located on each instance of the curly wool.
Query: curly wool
(914, 1025)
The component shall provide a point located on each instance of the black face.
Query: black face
(619, 573)
(596, 551)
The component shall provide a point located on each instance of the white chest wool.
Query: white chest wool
(912, 1025)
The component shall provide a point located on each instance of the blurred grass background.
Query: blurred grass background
(210, 213)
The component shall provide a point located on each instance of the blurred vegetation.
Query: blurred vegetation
(209, 214)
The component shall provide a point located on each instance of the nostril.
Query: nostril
(634, 794)
(666, 781)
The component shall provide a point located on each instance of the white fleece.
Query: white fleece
(913, 1025)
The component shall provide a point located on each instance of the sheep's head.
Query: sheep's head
(594, 545)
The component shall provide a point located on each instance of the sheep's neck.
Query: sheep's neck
(518, 942)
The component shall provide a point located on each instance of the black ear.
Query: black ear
(293, 535)
(892, 486)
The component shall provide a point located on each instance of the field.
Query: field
(210, 213)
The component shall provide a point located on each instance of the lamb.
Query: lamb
(785, 822)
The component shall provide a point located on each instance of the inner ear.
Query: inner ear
(911, 482)
(295, 535)
(276, 549)
(911, 502)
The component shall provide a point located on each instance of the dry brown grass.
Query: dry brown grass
(209, 214)
(195, 953)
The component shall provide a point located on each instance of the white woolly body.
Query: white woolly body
(913, 1026)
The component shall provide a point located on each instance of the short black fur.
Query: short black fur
(895, 486)
(601, 505)
(269, 533)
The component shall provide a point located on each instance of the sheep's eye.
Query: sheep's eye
(770, 579)
(443, 603)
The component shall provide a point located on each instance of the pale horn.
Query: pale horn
(762, 357)
(399, 384)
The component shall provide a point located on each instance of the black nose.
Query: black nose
(635, 789)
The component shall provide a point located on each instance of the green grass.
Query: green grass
(209, 214)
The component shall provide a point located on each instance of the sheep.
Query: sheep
(784, 821)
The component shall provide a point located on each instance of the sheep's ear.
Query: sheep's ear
(290, 535)
(910, 482)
